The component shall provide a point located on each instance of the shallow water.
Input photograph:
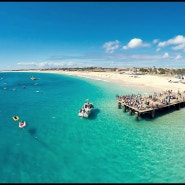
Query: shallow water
(59, 146)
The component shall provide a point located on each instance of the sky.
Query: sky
(35, 35)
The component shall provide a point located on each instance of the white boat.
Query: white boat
(33, 78)
(22, 124)
(86, 109)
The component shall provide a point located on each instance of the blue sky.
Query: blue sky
(84, 34)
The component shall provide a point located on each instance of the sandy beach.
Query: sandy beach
(149, 83)
(155, 83)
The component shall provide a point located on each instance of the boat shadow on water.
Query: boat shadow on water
(94, 114)
(33, 133)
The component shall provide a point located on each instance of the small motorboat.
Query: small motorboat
(22, 124)
(86, 109)
(15, 118)
(33, 78)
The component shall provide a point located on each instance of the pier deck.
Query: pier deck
(151, 103)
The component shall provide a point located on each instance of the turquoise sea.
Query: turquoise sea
(59, 146)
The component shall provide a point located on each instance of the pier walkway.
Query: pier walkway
(151, 103)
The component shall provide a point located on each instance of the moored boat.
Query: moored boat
(86, 109)
(15, 118)
(33, 78)
(22, 124)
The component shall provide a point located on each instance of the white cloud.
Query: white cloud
(179, 47)
(111, 46)
(158, 49)
(179, 40)
(135, 43)
(43, 64)
(155, 41)
(178, 57)
(27, 64)
(118, 59)
(144, 57)
(166, 55)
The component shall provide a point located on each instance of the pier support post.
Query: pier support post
(178, 106)
(119, 105)
(124, 108)
(142, 115)
(136, 115)
(130, 111)
(152, 115)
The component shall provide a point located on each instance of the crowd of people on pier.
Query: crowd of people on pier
(151, 101)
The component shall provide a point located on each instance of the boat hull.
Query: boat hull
(85, 114)
(22, 124)
(86, 110)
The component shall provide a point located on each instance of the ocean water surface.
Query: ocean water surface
(59, 146)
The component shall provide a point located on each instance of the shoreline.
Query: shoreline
(155, 83)
(152, 83)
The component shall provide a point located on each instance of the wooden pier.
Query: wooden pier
(149, 105)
